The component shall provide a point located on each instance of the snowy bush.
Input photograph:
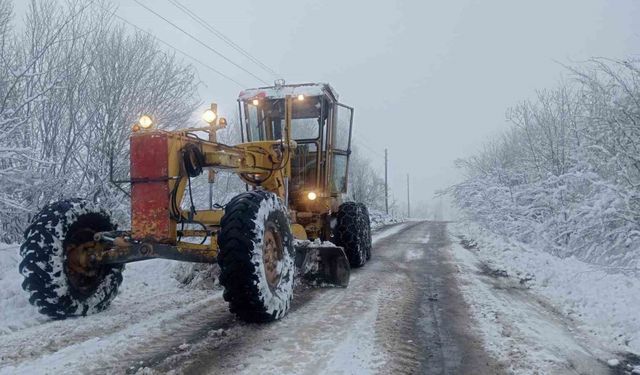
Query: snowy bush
(379, 219)
(566, 176)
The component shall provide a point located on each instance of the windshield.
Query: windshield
(265, 121)
(306, 118)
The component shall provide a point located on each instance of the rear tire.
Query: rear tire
(256, 257)
(365, 229)
(348, 233)
(55, 288)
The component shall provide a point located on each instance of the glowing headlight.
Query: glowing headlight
(209, 116)
(145, 122)
(312, 196)
(255, 102)
(301, 97)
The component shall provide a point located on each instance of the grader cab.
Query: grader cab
(291, 222)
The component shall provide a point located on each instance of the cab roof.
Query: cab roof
(281, 91)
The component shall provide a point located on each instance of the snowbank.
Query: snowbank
(603, 301)
(380, 219)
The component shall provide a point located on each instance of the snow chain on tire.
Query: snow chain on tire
(47, 278)
(365, 223)
(253, 223)
(348, 233)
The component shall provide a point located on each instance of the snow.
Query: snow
(280, 92)
(16, 312)
(613, 362)
(357, 352)
(390, 231)
(380, 219)
(413, 254)
(577, 309)
(149, 298)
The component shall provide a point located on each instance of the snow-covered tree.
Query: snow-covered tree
(72, 82)
(566, 176)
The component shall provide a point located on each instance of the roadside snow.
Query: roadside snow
(379, 219)
(522, 297)
(15, 311)
(149, 298)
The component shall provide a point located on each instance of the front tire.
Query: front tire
(256, 257)
(348, 233)
(57, 286)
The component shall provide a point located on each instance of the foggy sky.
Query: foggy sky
(429, 80)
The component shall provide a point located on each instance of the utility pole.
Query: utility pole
(386, 184)
(408, 198)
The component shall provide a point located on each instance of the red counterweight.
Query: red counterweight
(150, 186)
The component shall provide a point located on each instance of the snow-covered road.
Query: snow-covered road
(404, 312)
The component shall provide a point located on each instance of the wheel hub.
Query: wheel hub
(82, 276)
(272, 253)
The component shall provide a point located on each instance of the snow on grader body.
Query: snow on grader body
(294, 155)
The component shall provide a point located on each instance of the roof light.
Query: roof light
(145, 122)
(209, 116)
(255, 102)
(300, 97)
(312, 196)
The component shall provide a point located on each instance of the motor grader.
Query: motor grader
(294, 159)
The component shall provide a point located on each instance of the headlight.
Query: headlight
(255, 102)
(300, 97)
(145, 122)
(209, 116)
(312, 196)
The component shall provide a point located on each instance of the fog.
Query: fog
(430, 81)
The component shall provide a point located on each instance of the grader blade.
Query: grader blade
(322, 264)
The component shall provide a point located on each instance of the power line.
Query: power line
(174, 48)
(362, 142)
(200, 42)
(223, 37)
(370, 149)
(361, 136)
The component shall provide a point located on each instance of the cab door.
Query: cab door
(340, 148)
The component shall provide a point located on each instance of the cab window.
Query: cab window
(265, 121)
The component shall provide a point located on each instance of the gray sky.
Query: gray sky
(430, 80)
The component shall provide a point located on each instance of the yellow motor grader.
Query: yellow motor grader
(294, 159)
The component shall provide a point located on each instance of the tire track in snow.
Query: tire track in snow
(435, 335)
(116, 348)
(305, 340)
